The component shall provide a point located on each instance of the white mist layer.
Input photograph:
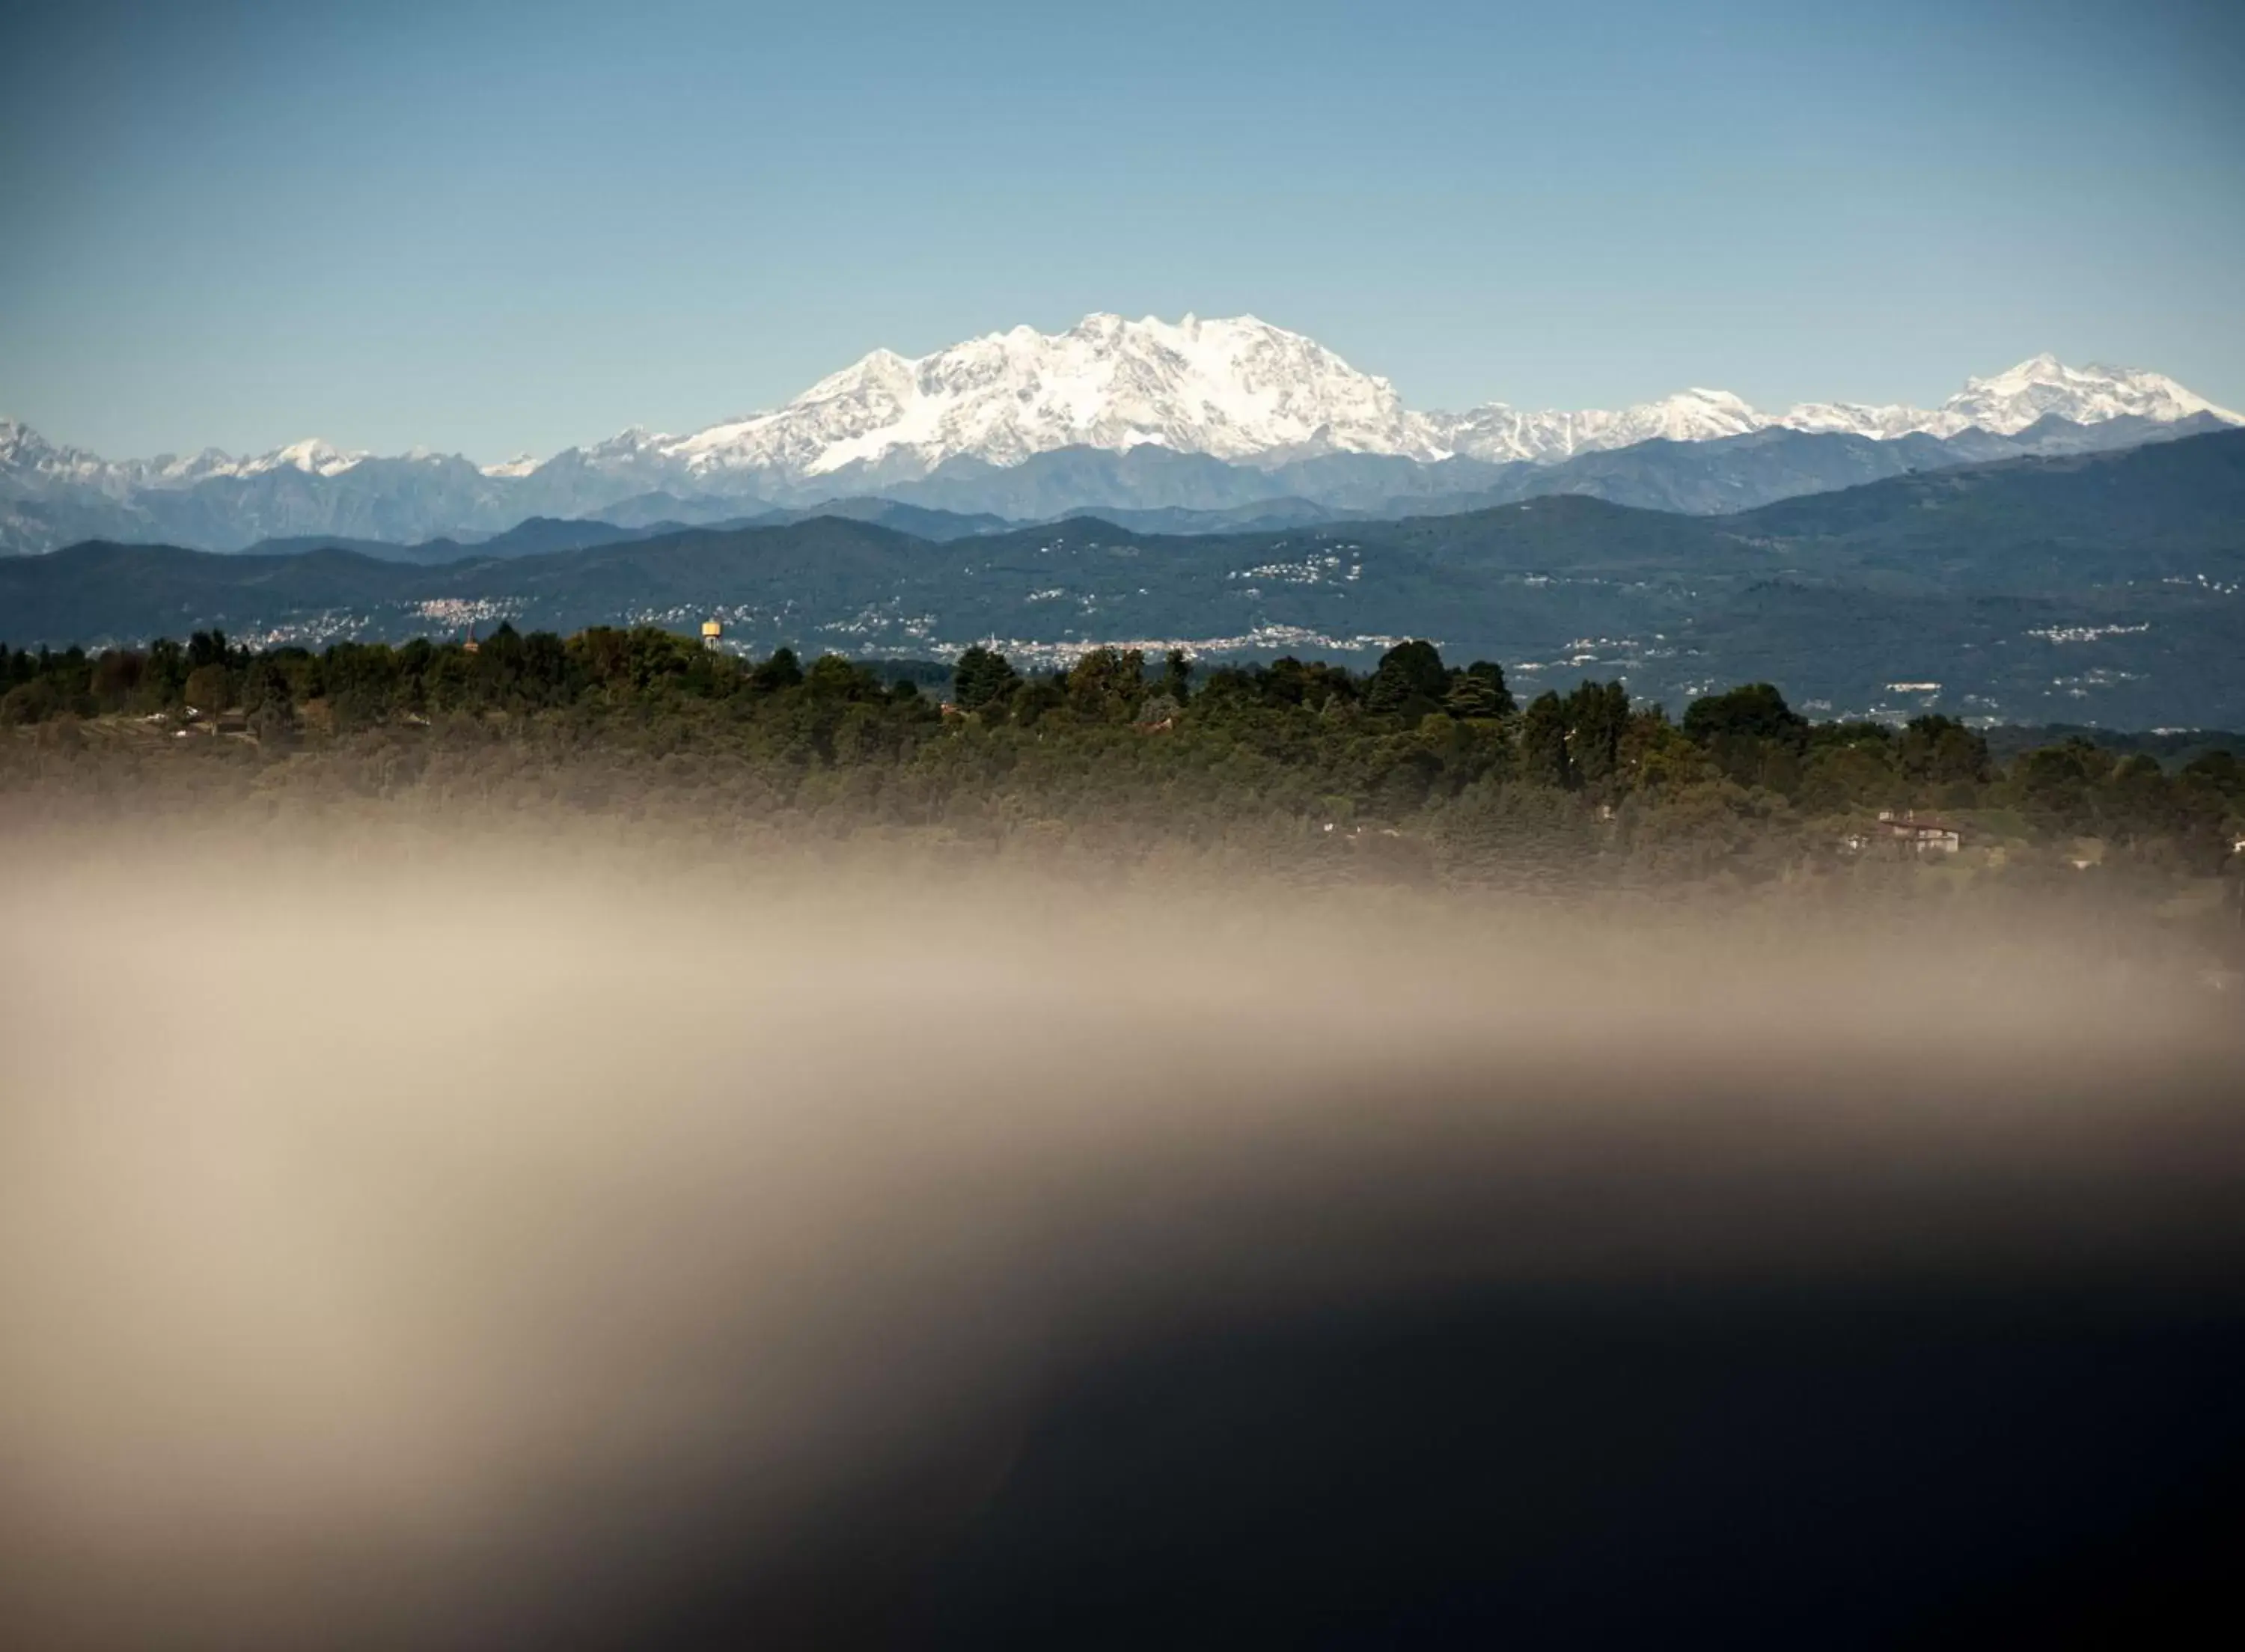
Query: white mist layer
(376, 1219)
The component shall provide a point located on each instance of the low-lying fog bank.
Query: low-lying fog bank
(410, 1239)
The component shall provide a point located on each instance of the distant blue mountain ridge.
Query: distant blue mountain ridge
(2097, 588)
(431, 509)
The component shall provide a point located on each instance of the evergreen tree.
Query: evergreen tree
(1543, 756)
(1108, 684)
(1409, 682)
(1480, 691)
(782, 671)
(1596, 714)
(982, 678)
(1176, 677)
(1473, 696)
(1940, 751)
(1756, 711)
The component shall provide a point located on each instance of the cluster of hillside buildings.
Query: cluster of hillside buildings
(1906, 829)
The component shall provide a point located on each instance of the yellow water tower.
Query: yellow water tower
(710, 632)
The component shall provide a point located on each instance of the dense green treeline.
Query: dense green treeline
(1445, 756)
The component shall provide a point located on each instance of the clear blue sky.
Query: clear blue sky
(492, 228)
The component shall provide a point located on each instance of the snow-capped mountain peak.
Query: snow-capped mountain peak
(312, 456)
(172, 470)
(1241, 390)
(1236, 389)
(23, 450)
(2042, 385)
(1498, 432)
(1881, 423)
(2007, 402)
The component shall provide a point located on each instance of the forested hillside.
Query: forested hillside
(2107, 588)
(1418, 769)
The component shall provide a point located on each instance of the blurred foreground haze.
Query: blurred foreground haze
(498, 1237)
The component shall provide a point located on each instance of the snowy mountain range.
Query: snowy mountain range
(1243, 390)
(1237, 391)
